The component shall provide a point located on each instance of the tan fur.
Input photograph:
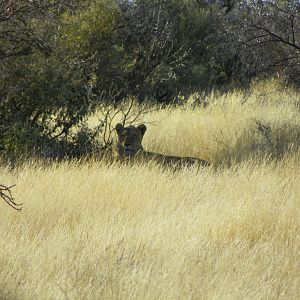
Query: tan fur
(130, 147)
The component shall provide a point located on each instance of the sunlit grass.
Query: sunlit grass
(226, 129)
(97, 230)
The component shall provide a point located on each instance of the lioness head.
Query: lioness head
(130, 139)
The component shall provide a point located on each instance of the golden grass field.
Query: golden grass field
(96, 230)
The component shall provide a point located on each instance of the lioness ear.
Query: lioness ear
(142, 128)
(119, 127)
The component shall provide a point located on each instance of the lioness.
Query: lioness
(130, 147)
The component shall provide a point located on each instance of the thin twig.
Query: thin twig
(6, 195)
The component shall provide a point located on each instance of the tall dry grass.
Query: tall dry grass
(94, 230)
(224, 128)
(228, 128)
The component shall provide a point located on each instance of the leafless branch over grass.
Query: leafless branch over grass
(6, 195)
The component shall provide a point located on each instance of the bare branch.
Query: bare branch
(6, 195)
(276, 36)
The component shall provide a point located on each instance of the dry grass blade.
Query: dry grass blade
(6, 195)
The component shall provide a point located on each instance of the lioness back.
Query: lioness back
(130, 147)
(176, 160)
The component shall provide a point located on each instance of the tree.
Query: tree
(175, 56)
(41, 95)
(265, 37)
(18, 35)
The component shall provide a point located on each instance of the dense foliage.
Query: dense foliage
(60, 59)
